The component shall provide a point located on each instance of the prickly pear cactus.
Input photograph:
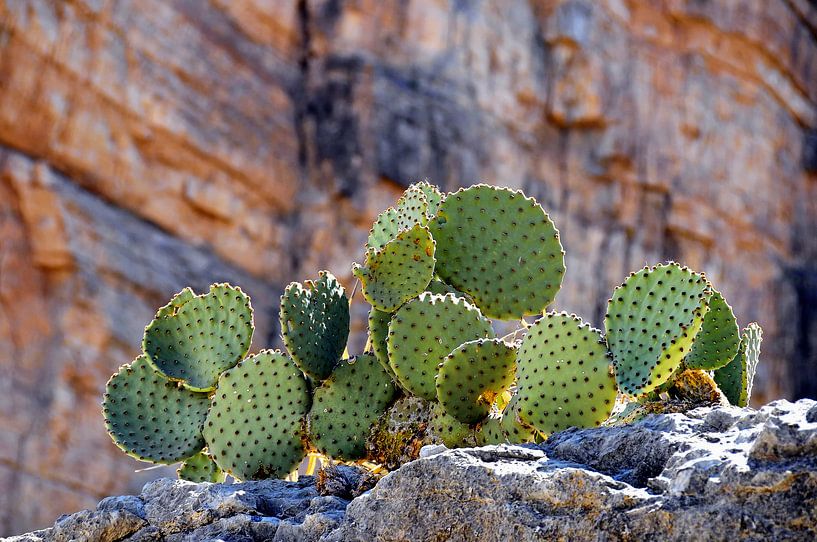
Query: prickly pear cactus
(717, 342)
(378, 336)
(151, 418)
(424, 331)
(735, 379)
(564, 375)
(652, 320)
(499, 247)
(347, 405)
(399, 271)
(433, 196)
(193, 339)
(445, 429)
(201, 468)
(411, 209)
(473, 375)
(254, 428)
(314, 320)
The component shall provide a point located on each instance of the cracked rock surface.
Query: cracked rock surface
(711, 474)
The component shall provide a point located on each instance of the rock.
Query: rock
(147, 146)
(715, 473)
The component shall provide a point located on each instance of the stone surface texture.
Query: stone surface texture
(711, 474)
(150, 145)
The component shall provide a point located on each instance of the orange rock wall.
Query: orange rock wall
(149, 145)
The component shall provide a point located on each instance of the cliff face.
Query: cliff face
(145, 146)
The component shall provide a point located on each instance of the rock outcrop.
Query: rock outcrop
(711, 474)
(146, 146)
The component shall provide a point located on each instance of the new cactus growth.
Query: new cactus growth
(193, 339)
(255, 426)
(151, 418)
(424, 331)
(436, 268)
(347, 405)
(314, 320)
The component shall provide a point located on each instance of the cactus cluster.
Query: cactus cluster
(438, 270)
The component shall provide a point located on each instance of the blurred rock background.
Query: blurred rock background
(153, 144)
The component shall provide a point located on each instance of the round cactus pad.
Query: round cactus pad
(193, 339)
(346, 406)
(424, 331)
(433, 196)
(201, 468)
(378, 335)
(564, 374)
(411, 209)
(470, 378)
(151, 418)
(717, 342)
(255, 426)
(499, 247)
(399, 271)
(652, 319)
(735, 379)
(448, 430)
(314, 320)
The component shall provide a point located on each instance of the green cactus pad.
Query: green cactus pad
(424, 331)
(315, 324)
(470, 378)
(564, 375)
(411, 209)
(378, 335)
(193, 339)
(516, 432)
(433, 196)
(735, 379)
(151, 418)
(499, 247)
(347, 405)
(717, 342)
(201, 468)
(448, 430)
(255, 426)
(491, 432)
(398, 272)
(652, 319)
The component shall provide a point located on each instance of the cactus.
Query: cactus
(193, 339)
(652, 320)
(378, 335)
(736, 378)
(201, 468)
(565, 375)
(315, 324)
(499, 247)
(399, 271)
(151, 418)
(255, 425)
(446, 429)
(424, 331)
(433, 196)
(411, 209)
(470, 378)
(717, 342)
(347, 405)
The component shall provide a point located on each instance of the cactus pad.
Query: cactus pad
(399, 271)
(447, 430)
(346, 406)
(255, 426)
(201, 468)
(315, 324)
(470, 378)
(499, 247)
(433, 196)
(193, 339)
(651, 322)
(717, 342)
(735, 379)
(424, 331)
(378, 335)
(564, 375)
(151, 418)
(411, 209)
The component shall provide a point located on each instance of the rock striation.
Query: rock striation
(147, 146)
(711, 474)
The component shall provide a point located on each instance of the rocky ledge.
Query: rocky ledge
(710, 474)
